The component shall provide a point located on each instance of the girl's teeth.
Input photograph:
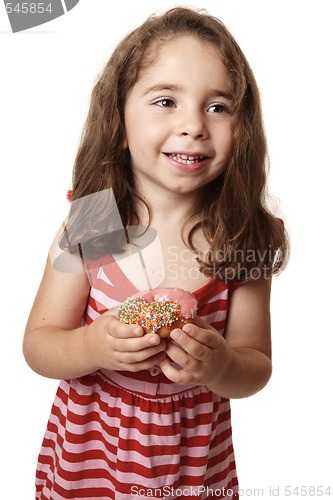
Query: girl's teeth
(187, 160)
(185, 157)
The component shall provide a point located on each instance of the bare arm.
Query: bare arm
(248, 337)
(237, 365)
(55, 344)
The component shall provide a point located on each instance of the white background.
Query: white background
(283, 435)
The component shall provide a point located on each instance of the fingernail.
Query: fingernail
(137, 331)
(187, 328)
(176, 334)
(154, 339)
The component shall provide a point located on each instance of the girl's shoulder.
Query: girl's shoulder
(62, 260)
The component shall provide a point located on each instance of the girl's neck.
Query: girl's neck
(168, 208)
(171, 215)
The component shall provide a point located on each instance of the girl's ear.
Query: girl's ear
(124, 144)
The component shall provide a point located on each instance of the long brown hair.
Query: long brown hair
(243, 234)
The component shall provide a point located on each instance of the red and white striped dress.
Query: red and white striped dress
(122, 435)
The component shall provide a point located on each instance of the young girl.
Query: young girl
(173, 143)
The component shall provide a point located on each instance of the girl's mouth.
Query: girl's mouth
(186, 159)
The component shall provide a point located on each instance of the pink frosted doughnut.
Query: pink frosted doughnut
(159, 310)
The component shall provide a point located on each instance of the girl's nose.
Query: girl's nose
(192, 124)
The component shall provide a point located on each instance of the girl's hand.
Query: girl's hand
(235, 365)
(113, 345)
(201, 352)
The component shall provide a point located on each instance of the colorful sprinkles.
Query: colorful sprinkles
(132, 310)
(151, 317)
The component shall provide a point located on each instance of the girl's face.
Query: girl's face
(178, 128)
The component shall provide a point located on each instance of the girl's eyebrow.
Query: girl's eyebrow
(179, 88)
(162, 87)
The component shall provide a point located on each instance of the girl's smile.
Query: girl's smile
(177, 119)
(187, 162)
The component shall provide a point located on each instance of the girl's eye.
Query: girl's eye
(165, 103)
(218, 108)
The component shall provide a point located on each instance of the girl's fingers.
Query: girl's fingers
(146, 342)
(120, 330)
(142, 365)
(185, 360)
(174, 374)
(209, 338)
(136, 355)
(195, 341)
(202, 325)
